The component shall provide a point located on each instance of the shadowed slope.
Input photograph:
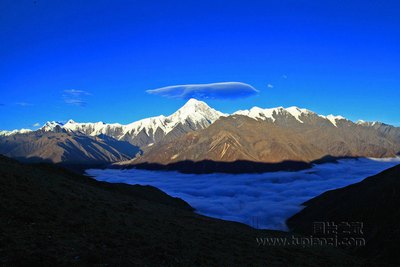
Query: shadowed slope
(50, 216)
(236, 167)
(374, 201)
(66, 148)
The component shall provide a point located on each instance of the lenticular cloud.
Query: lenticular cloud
(224, 90)
(259, 200)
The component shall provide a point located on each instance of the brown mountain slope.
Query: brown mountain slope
(242, 138)
(374, 201)
(63, 147)
(50, 216)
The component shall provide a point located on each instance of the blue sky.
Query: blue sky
(95, 60)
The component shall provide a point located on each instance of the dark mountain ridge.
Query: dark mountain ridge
(374, 202)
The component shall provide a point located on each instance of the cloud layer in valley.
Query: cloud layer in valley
(224, 90)
(75, 97)
(260, 200)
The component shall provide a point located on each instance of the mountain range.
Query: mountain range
(197, 132)
(64, 147)
(194, 115)
(239, 137)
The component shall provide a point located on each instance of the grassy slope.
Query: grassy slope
(52, 216)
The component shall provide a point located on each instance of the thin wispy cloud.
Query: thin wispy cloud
(36, 125)
(75, 102)
(76, 93)
(23, 104)
(270, 86)
(75, 97)
(223, 90)
(284, 76)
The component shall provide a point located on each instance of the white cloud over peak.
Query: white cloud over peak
(223, 90)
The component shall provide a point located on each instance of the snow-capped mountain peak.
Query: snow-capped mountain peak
(145, 125)
(273, 113)
(369, 123)
(298, 112)
(333, 119)
(196, 111)
(13, 132)
(51, 126)
(192, 102)
(259, 113)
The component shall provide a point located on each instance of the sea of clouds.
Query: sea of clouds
(259, 200)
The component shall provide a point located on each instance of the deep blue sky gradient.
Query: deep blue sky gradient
(340, 57)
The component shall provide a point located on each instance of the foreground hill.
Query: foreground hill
(374, 201)
(50, 216)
